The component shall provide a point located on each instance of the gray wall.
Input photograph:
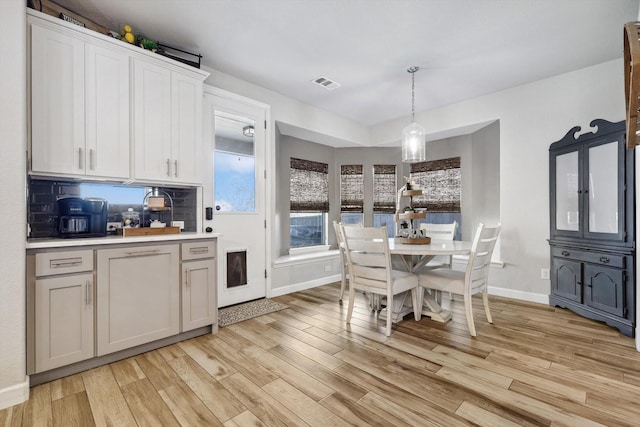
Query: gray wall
(480, 163)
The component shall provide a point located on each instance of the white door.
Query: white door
(235, 190)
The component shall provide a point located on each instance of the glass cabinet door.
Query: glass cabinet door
(567, 196)
(603, 188)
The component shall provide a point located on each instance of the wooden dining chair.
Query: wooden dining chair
(369, 261)
(439, 232)
(344, 274)
(472, 281)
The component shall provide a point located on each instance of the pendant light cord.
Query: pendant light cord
(413, 70)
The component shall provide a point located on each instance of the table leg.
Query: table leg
(400, 307)
(431, 308)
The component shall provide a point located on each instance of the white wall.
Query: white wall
(531, 118)
(14, 386)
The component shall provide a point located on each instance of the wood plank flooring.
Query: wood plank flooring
(535, 366)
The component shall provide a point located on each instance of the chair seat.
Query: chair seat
(443, 279)
(403, 281)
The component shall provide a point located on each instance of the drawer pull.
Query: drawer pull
(65, 262)
(186, 278)
(604, 259)
(565, 253)
(197, 251)
(141, 253)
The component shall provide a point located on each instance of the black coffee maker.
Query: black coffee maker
(82, 217)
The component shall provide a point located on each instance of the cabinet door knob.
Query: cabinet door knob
(565, 253)
(604, 259)
(168, 167)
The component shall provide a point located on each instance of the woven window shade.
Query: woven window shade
(384, 188)
(351, 188)
(308, 186)
(441, 182)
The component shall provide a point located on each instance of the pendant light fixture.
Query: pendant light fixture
(414, 135)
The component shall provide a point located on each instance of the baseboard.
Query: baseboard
(519, 295)
(15, 394)
(303, 286)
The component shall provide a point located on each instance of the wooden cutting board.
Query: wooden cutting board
(148, 231)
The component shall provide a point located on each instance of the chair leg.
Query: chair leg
(485, 301)
(343, 283)
(352, 297)
(417, 304)
(468, 311)
(389, 312)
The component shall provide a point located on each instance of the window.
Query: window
(351, 194)
(441, 183)
(384, 197)
(115, 194)
(308, 202)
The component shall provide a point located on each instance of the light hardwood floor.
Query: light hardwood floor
(535, 366)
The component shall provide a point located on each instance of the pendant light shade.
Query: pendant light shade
(413, 136)
(413, 144)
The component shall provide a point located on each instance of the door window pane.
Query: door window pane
(234, 176)
(603, 188)
(567, 191)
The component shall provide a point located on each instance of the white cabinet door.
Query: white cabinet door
(199, 306)
(152, 125)
(63, 320)
(57, 102)
(138, 298)
(107, 112)
(186, 120)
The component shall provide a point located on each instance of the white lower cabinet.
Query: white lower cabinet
(199, 307)
(137, 297)
(63, 320)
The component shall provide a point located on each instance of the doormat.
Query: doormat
(247, 310)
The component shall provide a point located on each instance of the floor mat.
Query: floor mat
(247, 310)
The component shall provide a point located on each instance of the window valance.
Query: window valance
(351, 188)
(441, 183)
(384, 188)
(308, 186)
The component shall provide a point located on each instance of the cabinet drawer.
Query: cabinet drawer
(50, 263)
(198, 250)
(612, 260)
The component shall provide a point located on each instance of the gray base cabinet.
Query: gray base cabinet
(592, 217)
(594, 284)
(199, 293)
(97, 303)
(64, 320)
(137, 297)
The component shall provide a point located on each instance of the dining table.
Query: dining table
(413, 258)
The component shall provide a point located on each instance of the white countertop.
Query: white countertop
(114, 240)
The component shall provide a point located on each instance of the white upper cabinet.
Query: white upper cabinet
(96, 101)
(107, 112)
(79, 107)
(57, 102)
(152, 128)
(186, 131)
(168, 125)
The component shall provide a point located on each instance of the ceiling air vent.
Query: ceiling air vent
(326, 83)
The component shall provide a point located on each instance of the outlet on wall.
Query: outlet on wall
(544, 273)
(178, 224)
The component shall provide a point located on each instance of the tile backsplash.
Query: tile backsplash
(42, 208)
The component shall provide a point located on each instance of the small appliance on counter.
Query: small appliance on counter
(79, 217)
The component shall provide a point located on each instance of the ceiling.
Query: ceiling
(465, 48)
